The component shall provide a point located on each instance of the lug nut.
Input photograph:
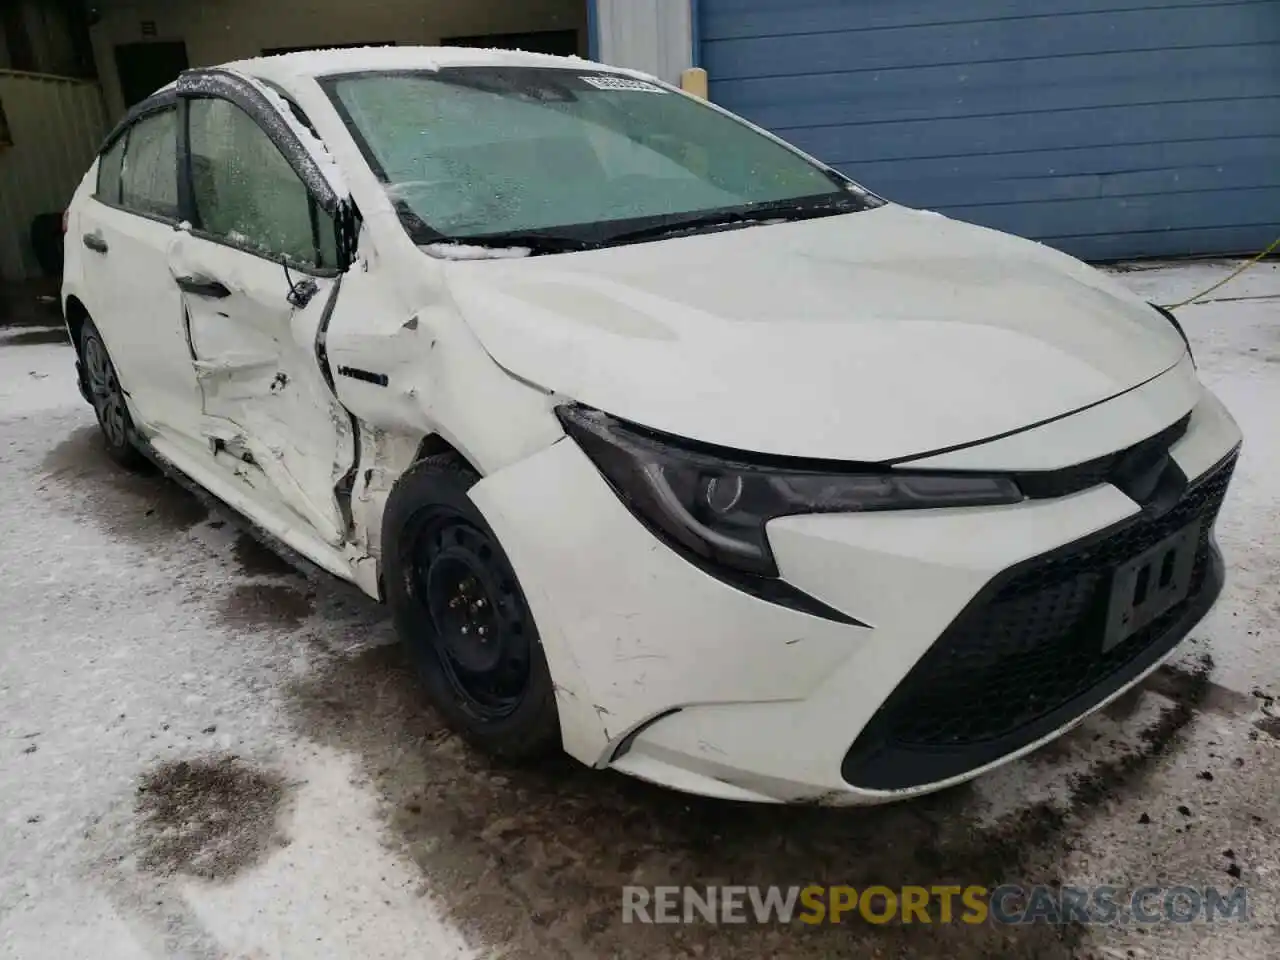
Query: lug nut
(480, 604)
(465, 630)
(483, 631)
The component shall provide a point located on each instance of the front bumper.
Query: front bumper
(666, 673)
(1023, 658)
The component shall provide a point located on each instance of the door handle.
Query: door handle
(95, 242)
(203, 287)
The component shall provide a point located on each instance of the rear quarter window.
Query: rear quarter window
(109, 167)
(149, 178)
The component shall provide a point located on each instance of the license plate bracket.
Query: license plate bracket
(1147, 586)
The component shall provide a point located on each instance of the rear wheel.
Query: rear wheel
(107, 397)
(459, 609)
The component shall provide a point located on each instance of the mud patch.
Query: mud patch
(28, 337)
(209, 818)
(256, 559)
(151, 509)
(1171, 681)
(265, 606)
(1270, 726)
(1124, 707)
(375, 693)
(143, 506)
(1186, 688)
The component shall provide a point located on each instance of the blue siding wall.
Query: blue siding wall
(1108, 128)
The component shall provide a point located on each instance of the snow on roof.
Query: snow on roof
(315, 63)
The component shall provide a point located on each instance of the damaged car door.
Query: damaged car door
(259, 271)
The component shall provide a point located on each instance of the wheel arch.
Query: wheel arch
(434, 444)
(384, 457)
(449, 585)
(75, 314)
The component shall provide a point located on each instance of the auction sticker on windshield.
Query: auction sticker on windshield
(623, 83)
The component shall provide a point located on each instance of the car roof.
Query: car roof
(316, 63)
(286, 68)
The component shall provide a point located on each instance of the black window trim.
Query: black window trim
(301, 116)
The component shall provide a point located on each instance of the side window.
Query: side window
(247, 193)
(109, 167)
(149, 179)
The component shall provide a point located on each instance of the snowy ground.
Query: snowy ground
(204, 754)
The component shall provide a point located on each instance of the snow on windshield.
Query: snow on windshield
(474, 151)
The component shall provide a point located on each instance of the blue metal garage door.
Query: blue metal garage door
(1108, 128)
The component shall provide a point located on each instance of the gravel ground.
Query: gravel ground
(206, 754)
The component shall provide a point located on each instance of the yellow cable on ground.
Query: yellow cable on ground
(1227, 279)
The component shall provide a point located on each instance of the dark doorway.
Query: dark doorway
(563, 43)
(146, 67)
(13, 31)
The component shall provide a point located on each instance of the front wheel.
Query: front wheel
(459, 610)
(107, 397)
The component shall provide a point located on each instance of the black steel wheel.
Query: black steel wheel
(459, 609)
(107, 396)
(482, 626)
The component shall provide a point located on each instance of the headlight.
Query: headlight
(1168, 315)
(717, 508)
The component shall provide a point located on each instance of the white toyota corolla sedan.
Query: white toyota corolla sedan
(663, 441)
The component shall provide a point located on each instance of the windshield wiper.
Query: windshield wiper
(722, 219)
(596, 236)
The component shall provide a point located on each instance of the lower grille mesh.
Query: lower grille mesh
(1035, 643)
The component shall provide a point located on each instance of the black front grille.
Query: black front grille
(1026, 655)
(1047, 484)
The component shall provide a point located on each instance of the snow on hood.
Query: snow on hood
(468, 251)
(869, 336)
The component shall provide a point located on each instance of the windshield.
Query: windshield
(500, 153)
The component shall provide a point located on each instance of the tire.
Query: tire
(460, 612)
(107, 397)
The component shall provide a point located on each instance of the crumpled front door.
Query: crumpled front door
(253, 330)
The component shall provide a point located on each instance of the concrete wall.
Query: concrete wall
(57, 124)
(651, 35)
(216, 31)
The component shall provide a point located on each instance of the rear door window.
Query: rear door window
(109, 169)
(149, 178)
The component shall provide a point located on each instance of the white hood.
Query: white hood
(869, 336)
